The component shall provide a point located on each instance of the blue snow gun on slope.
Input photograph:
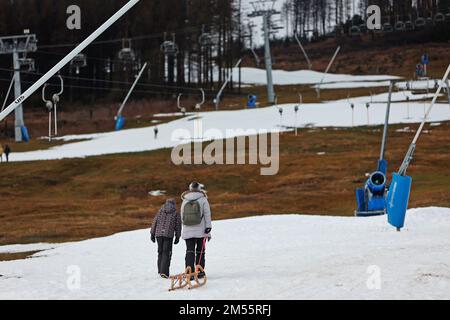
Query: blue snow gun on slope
(400, 189)
(120, 120)
(371, 200)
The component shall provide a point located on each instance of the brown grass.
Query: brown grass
(67, 200)
(16, 256)
(56, 201)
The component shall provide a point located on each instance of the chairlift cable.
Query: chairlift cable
(119, 40)
(107, 81)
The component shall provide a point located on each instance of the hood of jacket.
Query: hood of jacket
(170, 206)
(193, 195)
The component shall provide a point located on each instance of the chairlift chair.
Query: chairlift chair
(420, 23)
(78, 62)
(400, 26)
(439, 18)
(181, 108)
(409, 26)
(206, 40)
(447, 17)
(127, 54)
(355, 31)
(387, 27)
(108, 68)
(169, 47)
(29, 63)
(429, 22)
(363, 28)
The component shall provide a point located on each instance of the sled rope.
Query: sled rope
(201, 252)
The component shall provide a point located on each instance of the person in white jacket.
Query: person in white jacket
(196, 218)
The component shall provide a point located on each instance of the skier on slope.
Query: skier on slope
(196, 218)
(166, 225)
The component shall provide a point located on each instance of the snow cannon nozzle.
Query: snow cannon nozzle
(371, 199)
(377, 182)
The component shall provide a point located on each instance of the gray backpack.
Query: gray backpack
(192, 213)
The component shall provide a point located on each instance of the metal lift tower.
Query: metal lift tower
(265, 8)
(16, 45)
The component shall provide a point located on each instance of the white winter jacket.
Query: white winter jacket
(197, 231)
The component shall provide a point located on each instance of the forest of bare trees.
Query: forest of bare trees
(185, 43)
(319, 17)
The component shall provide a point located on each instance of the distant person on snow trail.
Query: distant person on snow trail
(196, 217)
(166, 225)
(7, 151)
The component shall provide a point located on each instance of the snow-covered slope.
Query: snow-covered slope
(273, 257)
(303, 77)
(329, 114)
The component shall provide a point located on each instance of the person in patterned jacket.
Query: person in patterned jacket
(166, 225)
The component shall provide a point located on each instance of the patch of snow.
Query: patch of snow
(19, 248)
(157, 193)
(329, 114)
(302, 77)
(268, 257)
(353, 85)
(173, 114)
(405, 129)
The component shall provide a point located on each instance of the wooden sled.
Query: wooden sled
(187, 279)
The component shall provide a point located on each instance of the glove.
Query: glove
(207, 230)
(153, 238)
(177, 240)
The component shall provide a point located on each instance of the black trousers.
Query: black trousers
(164, 254)
(193, 252)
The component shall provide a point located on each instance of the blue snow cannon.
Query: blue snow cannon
(25, 135)
(251, 102)
(120, 122)
(398, 199)
(371, 199)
